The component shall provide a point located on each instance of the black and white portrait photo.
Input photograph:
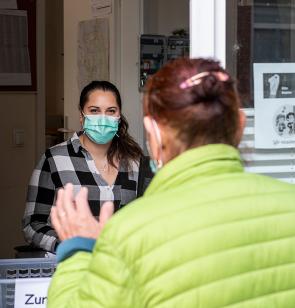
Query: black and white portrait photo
(279, 85)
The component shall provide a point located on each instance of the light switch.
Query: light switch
(18, 137)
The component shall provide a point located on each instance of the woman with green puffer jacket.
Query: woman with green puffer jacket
(205, 233)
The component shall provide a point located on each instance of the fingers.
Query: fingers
(58, 204)
(56, 223)
(106, 212)
(81, 201)
(68, 204)
(72, 217)
(63, 212)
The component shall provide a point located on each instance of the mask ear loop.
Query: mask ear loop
(83, 120)
(159, 141)
(119, 121)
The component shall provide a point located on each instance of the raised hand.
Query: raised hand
(72, 217)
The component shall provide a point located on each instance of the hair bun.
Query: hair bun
(210, 88)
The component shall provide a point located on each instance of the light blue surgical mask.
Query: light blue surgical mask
(101, 129)
(155, 165)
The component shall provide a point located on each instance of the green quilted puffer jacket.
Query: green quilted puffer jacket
(205, 234)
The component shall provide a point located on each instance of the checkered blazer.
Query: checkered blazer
(69, 162)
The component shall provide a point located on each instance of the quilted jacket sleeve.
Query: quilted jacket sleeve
(97, 279)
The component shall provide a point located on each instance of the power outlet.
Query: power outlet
(18, 137)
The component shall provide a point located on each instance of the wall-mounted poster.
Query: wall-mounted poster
(274, 102)
(93, 51)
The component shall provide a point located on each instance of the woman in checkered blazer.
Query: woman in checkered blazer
(102, 157)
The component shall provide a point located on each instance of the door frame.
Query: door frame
(208, 29)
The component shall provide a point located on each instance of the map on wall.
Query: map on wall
(93, 51)
(274, 100)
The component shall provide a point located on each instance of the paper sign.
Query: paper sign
(31, 292)
(101, 12)
(274, 101)
(101, 8)
(101, 3)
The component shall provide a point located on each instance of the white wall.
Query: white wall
(74, 12)
(54, 58)
(130, 33)
(173, 14)
(164, 16)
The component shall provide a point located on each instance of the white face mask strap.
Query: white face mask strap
(82, 121)
(159, 141)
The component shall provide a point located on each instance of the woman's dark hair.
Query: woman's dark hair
(206, 112)
(123, 147)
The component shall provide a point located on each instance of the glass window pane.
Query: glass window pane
(258, 31)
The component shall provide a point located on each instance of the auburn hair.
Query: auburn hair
(204, 113)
